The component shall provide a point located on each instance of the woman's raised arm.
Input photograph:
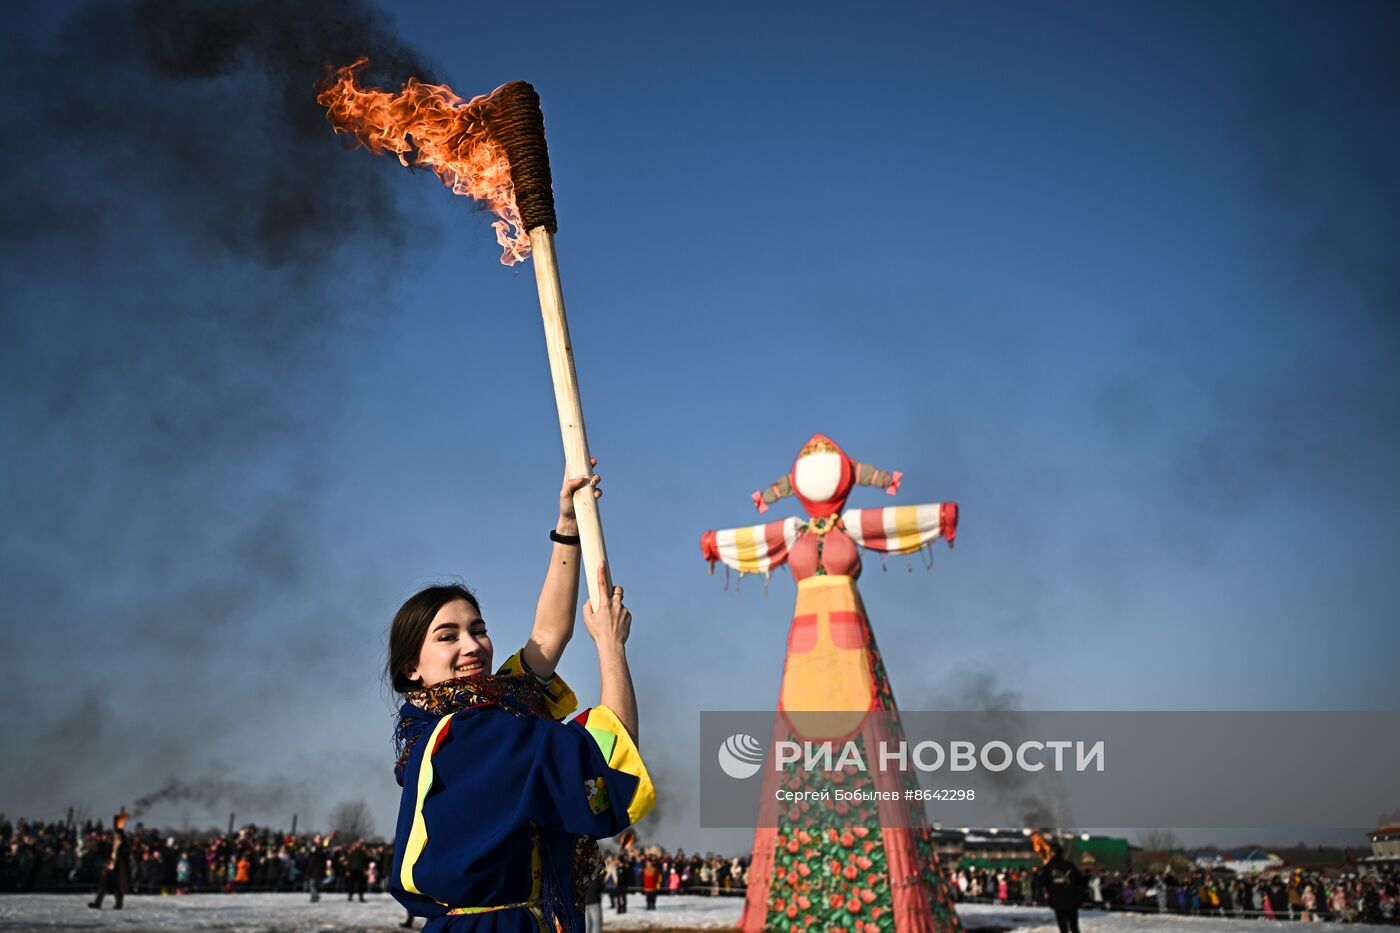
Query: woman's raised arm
(558, 603)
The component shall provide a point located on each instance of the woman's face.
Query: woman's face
(456, 645)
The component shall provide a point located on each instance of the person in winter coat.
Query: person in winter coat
(624, 874)
(610, 881)
(1338, 903)
(501, 800)
(593, 906)
(316, 866)
(651, 882)
(357, 868)
(1062, 888)
(116, 866)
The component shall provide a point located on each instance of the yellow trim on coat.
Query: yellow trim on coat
(626, 758)
(557, 694)
(418, 835)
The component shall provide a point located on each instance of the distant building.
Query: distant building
(1239, 861)
(995, 847)
(1385, 850)
(1104, 853)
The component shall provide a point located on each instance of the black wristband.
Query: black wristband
(572, 540)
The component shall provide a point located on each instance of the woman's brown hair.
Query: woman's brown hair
(410, 627)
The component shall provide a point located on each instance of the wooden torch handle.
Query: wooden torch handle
(566, 397)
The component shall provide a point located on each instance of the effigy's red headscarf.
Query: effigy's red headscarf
(822, 477)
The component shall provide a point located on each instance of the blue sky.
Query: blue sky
(1119, 279)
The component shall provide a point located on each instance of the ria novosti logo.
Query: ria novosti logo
(740, 756)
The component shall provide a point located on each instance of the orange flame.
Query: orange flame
(430, 126)
(1042, 847)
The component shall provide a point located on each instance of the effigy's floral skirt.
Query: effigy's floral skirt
(831, 865)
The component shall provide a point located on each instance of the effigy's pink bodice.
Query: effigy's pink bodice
(838, 555)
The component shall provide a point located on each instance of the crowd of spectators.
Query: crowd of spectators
(61, 856)
(66, 856)
(654, 871)
(1286, 894)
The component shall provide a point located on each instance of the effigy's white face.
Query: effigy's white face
(816, 476)
(456, 645)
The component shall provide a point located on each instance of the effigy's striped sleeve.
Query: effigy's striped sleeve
(755, 549)
(901, 529)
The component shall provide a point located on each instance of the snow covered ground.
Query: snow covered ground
(723, 913)
(293, 913)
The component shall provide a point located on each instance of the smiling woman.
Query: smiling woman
(457, 645)
(426, 636)
(501, 801)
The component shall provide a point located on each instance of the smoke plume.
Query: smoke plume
(183, 237)
(1025, 799)
(211, 792)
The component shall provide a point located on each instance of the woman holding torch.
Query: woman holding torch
(501, 800)
(496, 790)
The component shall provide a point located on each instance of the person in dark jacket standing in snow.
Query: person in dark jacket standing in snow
(357, 865)
(116, 866)
(1061, 886)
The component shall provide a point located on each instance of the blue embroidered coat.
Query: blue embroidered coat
(493, 800)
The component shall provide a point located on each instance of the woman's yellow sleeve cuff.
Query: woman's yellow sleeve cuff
(560, 698)
(622, 755)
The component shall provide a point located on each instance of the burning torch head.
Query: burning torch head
(490, 148)
(517, 125)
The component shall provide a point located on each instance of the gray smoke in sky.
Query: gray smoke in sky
(210, 792)
(1025, 799)
(1315, 402)
(210, 111)
(182, 237)
(175, 151)
(973, 689)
